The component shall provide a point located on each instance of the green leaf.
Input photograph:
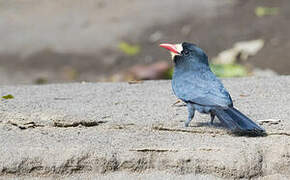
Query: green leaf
(9, 96)
(261, 11)
(168, 74)
(229, 70)
(129, 49)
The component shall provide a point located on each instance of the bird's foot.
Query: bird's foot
(186, 124)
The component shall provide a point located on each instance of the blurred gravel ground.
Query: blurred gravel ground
(64, 41)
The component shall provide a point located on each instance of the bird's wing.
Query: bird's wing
(203, 89)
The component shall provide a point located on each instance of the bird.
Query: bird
(196, 85)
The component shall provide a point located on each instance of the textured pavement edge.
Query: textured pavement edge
(121, 130)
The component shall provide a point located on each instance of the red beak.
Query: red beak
(170, 47)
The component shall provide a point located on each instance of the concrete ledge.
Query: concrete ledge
(84, 130)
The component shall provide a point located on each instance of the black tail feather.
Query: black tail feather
(238, 123)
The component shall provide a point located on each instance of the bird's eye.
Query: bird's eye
(185, 52)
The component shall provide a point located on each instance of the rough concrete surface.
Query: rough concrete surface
(129, 131)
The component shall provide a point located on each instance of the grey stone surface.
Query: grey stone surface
(122, 130)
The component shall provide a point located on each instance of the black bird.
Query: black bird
(195, 84)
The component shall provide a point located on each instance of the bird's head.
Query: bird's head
(186, 51)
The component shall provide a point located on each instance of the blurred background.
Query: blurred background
(56, 41)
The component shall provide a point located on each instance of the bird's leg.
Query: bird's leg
(212, 116)
(191, 110)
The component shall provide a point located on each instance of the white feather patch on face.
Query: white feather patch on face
(179, 48)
